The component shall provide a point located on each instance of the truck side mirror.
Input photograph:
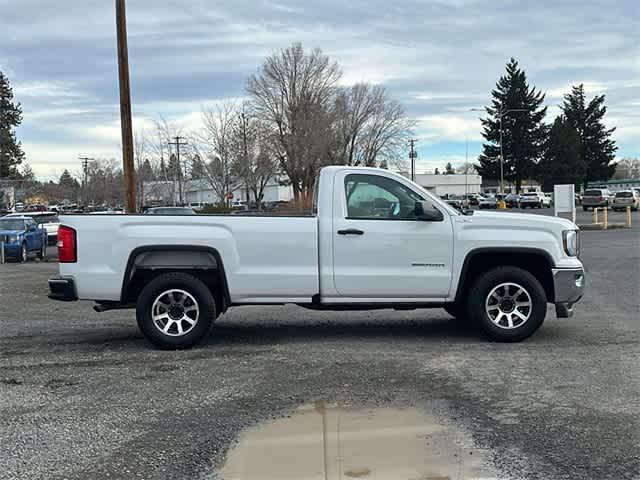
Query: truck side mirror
(426, 212)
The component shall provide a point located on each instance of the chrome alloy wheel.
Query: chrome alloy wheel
(508, 306)
(175, 312)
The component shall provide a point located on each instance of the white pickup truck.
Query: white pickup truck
(374, 240)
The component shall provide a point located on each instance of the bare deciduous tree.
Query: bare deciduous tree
(254, 160)
(216, 145)
(291, 93)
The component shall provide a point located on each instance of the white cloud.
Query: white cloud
(449, 127)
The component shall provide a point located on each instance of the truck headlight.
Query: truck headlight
(571, 242)
(12, 239)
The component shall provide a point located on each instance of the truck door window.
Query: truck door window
(375, 197)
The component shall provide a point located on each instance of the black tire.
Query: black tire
(175, 281)
(24, 254)
(481, 290)
(585, 209)
(42, 255)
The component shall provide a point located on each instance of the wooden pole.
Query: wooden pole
(125, 109)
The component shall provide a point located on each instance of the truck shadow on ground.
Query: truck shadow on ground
(229, 332)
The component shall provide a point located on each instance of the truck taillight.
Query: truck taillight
(67, 252)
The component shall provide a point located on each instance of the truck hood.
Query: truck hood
(507, 219)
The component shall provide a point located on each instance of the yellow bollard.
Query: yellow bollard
(502, 205)
(628, 217)
(595, 215)
(605, 217)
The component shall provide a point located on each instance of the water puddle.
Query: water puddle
(319, 442)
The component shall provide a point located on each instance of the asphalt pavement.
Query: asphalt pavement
(83, 396)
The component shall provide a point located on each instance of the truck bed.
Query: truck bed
(265, 257)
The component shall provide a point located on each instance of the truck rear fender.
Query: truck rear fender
(149, 261)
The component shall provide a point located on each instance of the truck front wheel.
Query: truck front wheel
(175, 311)
(508, 304)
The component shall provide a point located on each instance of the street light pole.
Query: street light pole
(501, 160)
(501, 115)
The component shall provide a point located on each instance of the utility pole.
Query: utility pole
(125, 108)
(178, 143)
(85, 169)
(243, 117)
(413, 154)
(466, 169)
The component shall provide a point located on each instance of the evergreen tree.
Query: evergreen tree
(174, 171)
(66, 180)
(27, 173)
(162, 170)
(448, 169)
(562, 162)
(11, 154)
(69, 185)
(523, 130)
(596, 146)
(198, 168)
(146, 172)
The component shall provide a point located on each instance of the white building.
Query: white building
(492, 187)
(451, 184)
(200, 191)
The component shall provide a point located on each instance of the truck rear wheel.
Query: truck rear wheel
(508, 304)
(175, 311)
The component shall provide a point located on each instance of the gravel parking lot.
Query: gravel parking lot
(83, 396)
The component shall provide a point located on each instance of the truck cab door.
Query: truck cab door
(380, 249)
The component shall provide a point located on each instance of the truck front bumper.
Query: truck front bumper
(62, 289)
(569, 288)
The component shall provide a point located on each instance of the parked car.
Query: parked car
(22, 238)
(534, 200)
(626, 198)
(458, 202)
(199, 206)
(596, 197)
(181, 274)
(512, 200)
(170, 211)
(489, 202)
(49, 221)
(473, 199)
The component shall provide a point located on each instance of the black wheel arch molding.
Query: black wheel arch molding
(464, 280)
(198, 263)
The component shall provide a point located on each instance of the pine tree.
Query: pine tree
(27, 173)
(162, 170)
(523, 130)
(562, 162)
(448, 169)
(68, 184)
(596, 146)
(198, 168)
(146, 172)
(11, 154)
(173, 170)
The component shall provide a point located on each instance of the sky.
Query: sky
(438, 58)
